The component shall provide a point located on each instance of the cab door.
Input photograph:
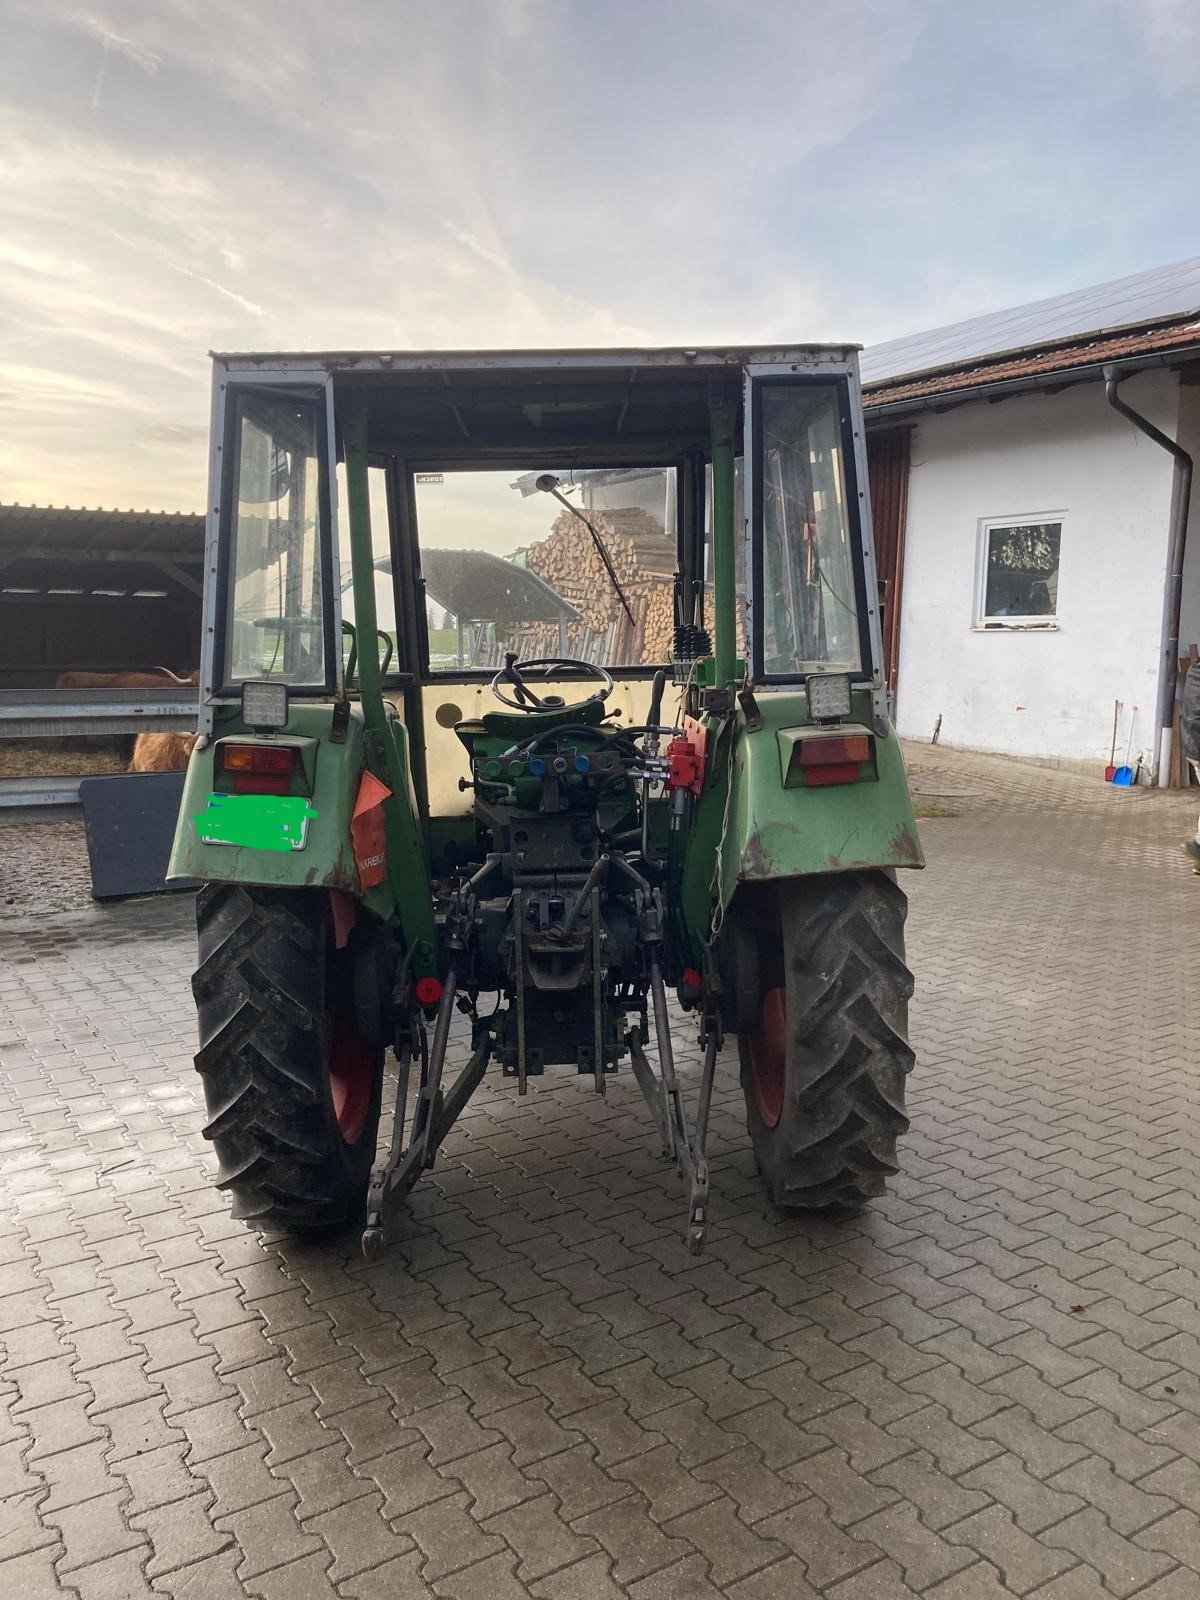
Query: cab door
(272, 608)
(812, 573)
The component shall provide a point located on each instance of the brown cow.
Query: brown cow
(162, 752)
(152, 752)
(156, 678)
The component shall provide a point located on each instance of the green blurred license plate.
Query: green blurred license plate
(255, 821)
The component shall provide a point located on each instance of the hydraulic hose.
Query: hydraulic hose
(656, 699)
(607, 735)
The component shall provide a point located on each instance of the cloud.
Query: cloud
(251, 306)
(148, 60)
(1173, 41)
(541, 172)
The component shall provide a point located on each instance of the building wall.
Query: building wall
(1042, 694)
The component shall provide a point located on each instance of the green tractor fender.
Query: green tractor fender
(757, 821)
(321, 855)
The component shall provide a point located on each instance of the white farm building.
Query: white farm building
(1027, 527)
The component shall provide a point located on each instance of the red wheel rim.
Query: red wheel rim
(767, 1054)
(351, 1075)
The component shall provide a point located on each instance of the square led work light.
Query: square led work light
(265, 706)
(828, 696)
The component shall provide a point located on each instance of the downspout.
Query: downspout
(1181, 490)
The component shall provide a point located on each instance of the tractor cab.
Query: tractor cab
(551, 678)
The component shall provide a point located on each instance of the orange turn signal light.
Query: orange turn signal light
(258, 758)
(829, 752)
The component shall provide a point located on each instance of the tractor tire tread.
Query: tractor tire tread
(258, 991)
(847, 1047)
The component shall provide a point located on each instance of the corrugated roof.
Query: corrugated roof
(1145, 298)
(476, 586)
(112, 534)
(20, 513)
(1058, 358)
(56, 549)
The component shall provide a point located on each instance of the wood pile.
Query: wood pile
(644, 559)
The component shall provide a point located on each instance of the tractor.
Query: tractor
(538, 686)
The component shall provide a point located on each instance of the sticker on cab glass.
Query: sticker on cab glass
(255, 821)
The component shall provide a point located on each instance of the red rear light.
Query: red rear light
(429, 991)
(256, 783)
(829, 758)
(842, 772)
(256, 768)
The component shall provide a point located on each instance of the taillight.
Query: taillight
(839, 772)
(827, 759)
(429, 991)
(256, 768)
(825, 751)
(258, 758)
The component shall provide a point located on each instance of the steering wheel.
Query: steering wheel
(524, 699)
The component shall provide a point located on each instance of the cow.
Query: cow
(147, 752)
(155, 678)
(162, 752)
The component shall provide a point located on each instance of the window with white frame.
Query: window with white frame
(1018, 572)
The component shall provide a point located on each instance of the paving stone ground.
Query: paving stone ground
(987, 1386)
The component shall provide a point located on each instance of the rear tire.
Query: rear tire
(292, 1091)
(823, 1070)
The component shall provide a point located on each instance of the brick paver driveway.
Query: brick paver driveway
(987, 1386)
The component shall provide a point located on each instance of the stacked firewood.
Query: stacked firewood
(643, 557)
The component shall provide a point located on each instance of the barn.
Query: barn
(97, 591)
(116, 594)
(1030, 475)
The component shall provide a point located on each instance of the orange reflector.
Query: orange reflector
(827, 752)
(258, 758)
(429, 991)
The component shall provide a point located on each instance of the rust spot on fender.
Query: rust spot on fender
(756, 862)
(903, 844)
(754, 859)
(342, 875)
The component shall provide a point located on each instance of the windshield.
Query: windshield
(275, 626)
(509, 567)
(810, 619)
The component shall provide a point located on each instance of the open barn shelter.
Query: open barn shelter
(97, 591)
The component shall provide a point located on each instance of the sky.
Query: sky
(179, 176)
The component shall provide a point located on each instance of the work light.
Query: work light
(828, 696)
(265, 706)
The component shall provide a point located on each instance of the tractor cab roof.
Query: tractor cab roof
(555, 406)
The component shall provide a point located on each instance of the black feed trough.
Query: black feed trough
(129, 823)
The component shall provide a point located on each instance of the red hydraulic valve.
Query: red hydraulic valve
(686, 763)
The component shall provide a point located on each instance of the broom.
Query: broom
(1111, 768)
